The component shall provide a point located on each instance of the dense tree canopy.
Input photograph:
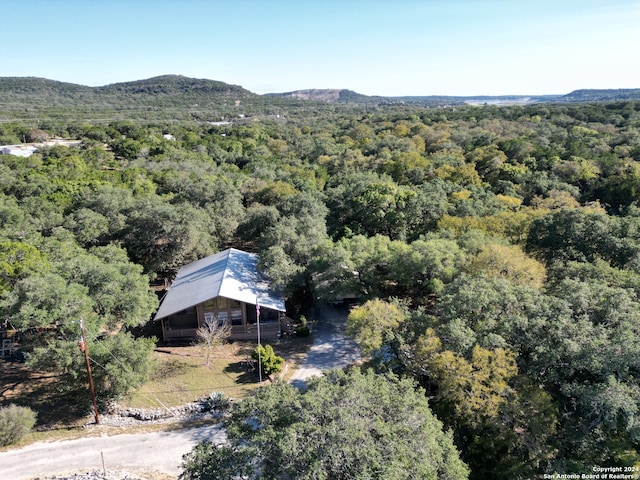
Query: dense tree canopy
(344, 425)
(504, 241)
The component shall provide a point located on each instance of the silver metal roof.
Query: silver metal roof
(231, 274)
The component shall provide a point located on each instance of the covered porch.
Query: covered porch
(183, 325)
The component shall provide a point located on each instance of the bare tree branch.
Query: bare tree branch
(213, 332)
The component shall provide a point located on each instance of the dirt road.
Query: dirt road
(159, 451)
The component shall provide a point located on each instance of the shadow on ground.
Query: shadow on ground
(245, 374)
(56, 407)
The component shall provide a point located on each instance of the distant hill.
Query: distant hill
(170, 85)
(175, 85)
(349, 96)
(167, 96)
(602, 95)
(176, 97)
(326, 95)
(34, 85)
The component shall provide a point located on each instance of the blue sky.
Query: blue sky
(374, 47)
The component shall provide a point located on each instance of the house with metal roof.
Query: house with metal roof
(226, 286)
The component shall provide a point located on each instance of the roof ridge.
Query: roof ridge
(225, 270)
(231, 273)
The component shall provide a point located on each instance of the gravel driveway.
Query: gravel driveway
(331, 347)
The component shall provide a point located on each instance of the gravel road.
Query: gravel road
(158, 451)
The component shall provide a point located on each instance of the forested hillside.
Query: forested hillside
(168, 98)
(494, 251)
(172, 98)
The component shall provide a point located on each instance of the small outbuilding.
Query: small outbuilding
(226, 286)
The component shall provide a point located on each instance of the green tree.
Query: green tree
(577, 342)
(366, 204)
(407, 168)
(373, 324)
(372, 267)
(274, 193)
(118, 288)
(17, 260)
(583, 235)
(489, 161)
(162, 237)
(126, 147)
(125, 363)
(428, 265)
(256, 220)
(509, 262)
(382, 209)
(217, 194)
(29, 304)
(291, 244)
(364, 266)
(217, 462)
(621, 186)
(471, 390)
(344, 425)
(89, 227)
(505, 426)
(102, 287)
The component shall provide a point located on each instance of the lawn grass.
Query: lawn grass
(182, 376)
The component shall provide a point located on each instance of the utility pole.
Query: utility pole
(82, 344)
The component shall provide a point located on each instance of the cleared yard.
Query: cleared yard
(182, 376)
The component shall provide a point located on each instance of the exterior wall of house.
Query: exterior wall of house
(183, 325)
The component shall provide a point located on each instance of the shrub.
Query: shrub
(216, 401)
(271, 363)
(15, 423)
(302, 331)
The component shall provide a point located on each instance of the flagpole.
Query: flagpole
(259, 353)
